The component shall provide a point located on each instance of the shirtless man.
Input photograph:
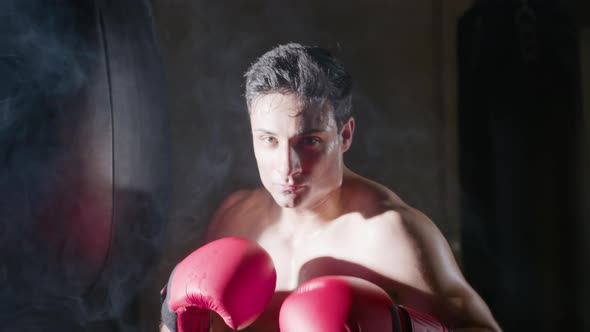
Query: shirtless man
(316, 217)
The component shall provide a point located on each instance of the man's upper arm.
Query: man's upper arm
(456, 301)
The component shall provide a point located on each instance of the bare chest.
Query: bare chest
(301, 257)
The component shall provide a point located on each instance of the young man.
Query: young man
(316, 217)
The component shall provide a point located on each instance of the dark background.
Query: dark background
(123, 126)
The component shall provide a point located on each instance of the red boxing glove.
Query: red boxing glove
(234, 277)
(336, 304)
(342, 303)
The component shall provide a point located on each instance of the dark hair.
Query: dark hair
(310, 72)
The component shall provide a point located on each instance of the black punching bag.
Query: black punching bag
(83, 163)
(519, 115)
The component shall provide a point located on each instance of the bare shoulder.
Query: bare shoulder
(421, 246)
(398, 227)
(365, 195)
(237, 214)
(382, 207)
(418, 256)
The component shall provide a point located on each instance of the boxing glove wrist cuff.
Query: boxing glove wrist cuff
(191, 319)
(167, 316)
(408, 320)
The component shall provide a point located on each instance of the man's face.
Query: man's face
(298, 148)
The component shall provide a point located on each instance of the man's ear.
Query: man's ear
(346, 134)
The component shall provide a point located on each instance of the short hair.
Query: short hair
(308, 71)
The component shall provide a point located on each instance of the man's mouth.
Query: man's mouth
(291, 188)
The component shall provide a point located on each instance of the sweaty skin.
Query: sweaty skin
(316, 217)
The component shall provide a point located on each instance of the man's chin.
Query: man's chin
(286, 204)
(288, 201)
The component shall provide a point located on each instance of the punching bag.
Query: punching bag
(519, 112)
(83, 163)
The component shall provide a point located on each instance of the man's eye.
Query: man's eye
(310, 141)
(268, 139)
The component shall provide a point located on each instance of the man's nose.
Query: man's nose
(290, 163)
